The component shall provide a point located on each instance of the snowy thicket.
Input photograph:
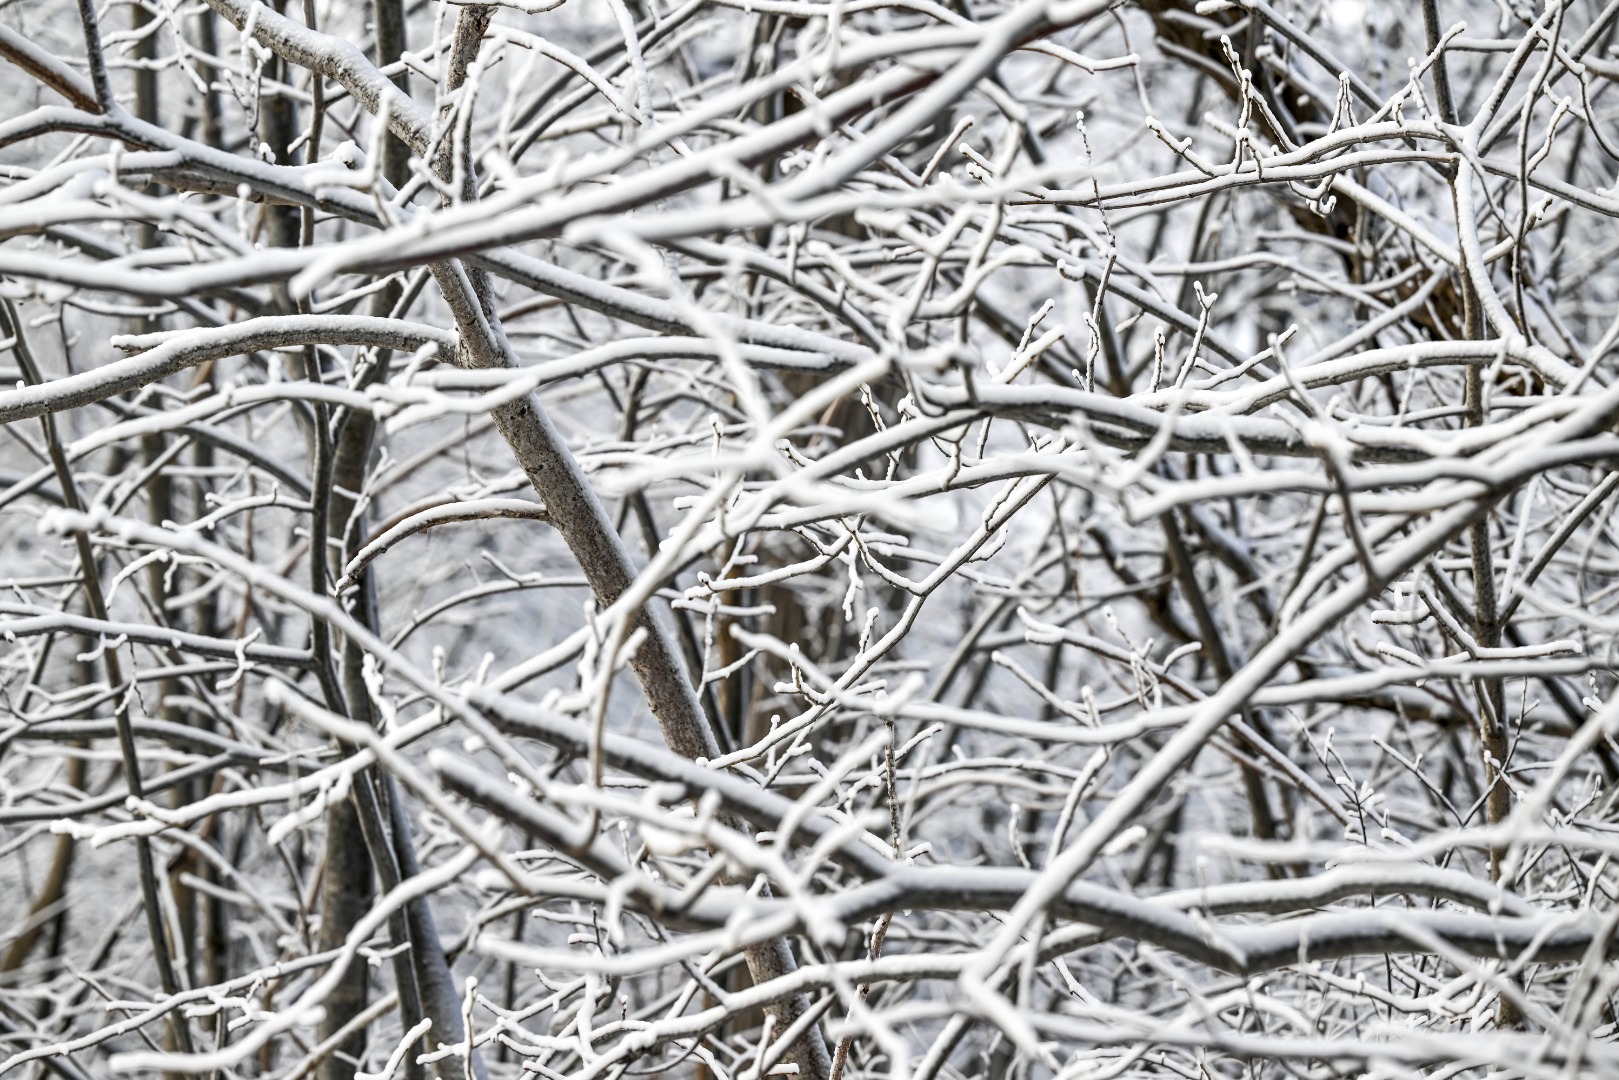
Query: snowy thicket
(837, 538)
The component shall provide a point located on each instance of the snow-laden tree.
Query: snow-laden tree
(847, 538)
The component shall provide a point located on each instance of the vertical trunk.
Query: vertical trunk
(215, 943)
(440, 1000)
(347, 886)
(345, 897)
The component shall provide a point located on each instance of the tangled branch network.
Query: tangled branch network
(904, 539)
